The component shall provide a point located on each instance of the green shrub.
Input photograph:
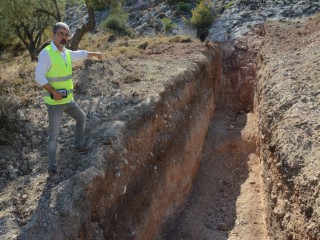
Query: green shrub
(168, 24)
(185, 20)
(200, 1)
(72, 3)
(202, 16)
(116, 22)
(229, 4)
(183, 7)
(175, 2)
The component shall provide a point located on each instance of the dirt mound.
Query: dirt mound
(288, 101)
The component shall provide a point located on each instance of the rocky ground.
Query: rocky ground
(242, 15)
(232, 18)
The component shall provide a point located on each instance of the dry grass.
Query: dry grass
(17, 77)
(17, 90)
(114, 46)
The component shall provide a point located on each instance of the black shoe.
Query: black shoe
(82, 150)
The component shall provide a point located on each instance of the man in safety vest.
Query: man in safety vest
(54, 74)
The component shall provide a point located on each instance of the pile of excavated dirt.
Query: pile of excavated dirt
(288, 103)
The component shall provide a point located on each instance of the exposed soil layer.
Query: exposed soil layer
(288, 103)
(226, 201)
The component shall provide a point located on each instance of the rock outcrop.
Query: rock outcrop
(242, 15)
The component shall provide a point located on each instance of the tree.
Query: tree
(6, 33)
(88, 26)
(28, 20)
(202, 18)
(92, 5)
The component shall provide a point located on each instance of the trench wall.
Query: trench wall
(288, 146)
(146, 169)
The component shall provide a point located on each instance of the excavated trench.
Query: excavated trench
(226, 201)
(227, 197)
(184, 163)
(189, 171)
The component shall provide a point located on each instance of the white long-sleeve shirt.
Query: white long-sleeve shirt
(44, 62)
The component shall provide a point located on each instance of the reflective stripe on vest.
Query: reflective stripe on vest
(58, 79)
(48, 94)
(59, 76)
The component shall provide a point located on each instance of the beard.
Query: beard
(63, 42)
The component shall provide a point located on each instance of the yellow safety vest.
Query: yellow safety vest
(59, 76)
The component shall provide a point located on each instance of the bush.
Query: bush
(202, 16)
(229, 4)
(185, 20)
(183, 7)
(72, 3)
(174, 2)
(116, 22)
(200, 1)
(168, 24)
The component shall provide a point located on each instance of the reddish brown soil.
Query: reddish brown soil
(227, 198)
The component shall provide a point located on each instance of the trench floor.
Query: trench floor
(226, 201)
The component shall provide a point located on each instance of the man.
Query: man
(54, 74)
